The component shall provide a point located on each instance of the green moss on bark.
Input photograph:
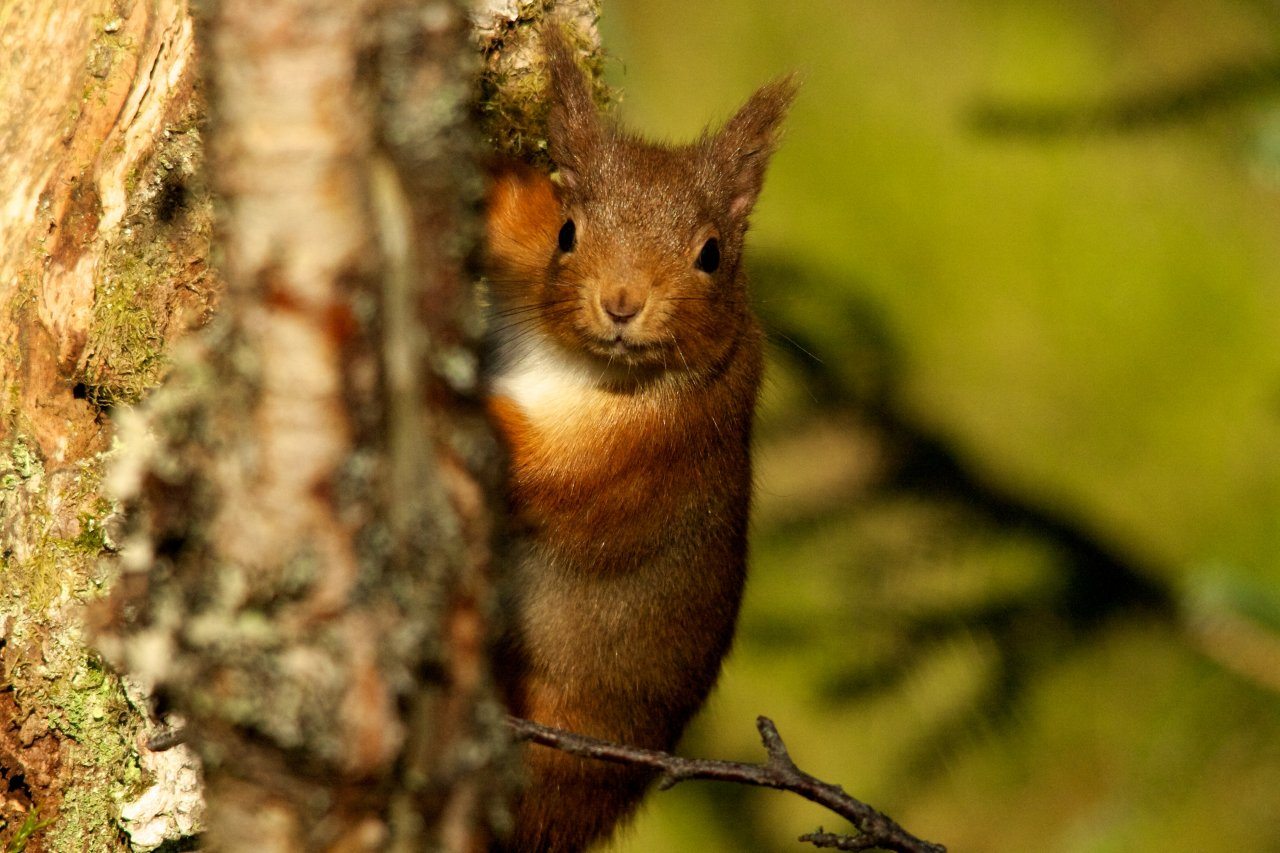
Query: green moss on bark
(24, 833)
(153, 267)
(54, 529)
(53, 523)
(513, 99)
(93, 712)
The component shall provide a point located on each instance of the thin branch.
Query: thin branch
(875, 829)
(833, 841)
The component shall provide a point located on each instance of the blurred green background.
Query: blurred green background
(1018, 540)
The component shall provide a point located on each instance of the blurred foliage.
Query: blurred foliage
(1016, 576)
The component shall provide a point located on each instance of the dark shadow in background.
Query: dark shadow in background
(863, 378)
(1192, 99)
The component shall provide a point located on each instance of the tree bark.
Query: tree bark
(292, 553)
(311, 532)
(104, 243)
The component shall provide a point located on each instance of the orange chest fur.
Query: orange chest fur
(604, 476)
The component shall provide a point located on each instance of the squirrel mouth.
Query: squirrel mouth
(617, 345)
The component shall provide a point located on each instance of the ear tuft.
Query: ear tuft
(573, 124)
(744, 145)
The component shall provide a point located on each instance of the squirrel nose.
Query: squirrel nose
(621, 306)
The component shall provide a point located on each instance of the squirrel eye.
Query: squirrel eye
(568, 236)
(709, 257)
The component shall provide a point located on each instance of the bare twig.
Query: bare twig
(833, 841)
(875, 829)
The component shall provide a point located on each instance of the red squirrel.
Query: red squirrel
(626, 363)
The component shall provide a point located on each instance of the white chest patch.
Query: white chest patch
(549, 384)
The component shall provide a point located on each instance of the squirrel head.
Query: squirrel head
(644, 267)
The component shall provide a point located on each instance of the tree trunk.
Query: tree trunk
(104, 245)
(311, 540)
(293, 551)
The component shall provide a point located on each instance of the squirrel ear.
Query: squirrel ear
(743, 146)
(573, 125)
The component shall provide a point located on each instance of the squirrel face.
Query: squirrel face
(642, 269)
(645, 269)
